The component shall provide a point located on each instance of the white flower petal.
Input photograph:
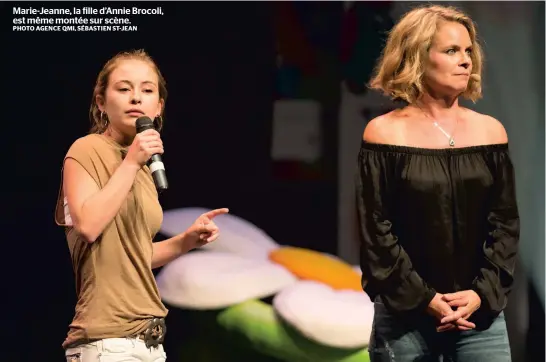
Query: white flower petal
(212, 280)
(237, 235)
(258, 327)
(334, 318)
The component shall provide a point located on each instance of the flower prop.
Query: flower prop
(318, 310)
(213, 280)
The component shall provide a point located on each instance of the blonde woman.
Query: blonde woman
(437, 207)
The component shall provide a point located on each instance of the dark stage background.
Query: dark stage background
(219, 60)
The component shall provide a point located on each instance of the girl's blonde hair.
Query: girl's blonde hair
(399, 71)
(98, 122)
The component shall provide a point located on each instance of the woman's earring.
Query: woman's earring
(104, 119)
(158, 120)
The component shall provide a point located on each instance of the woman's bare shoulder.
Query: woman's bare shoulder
(491, 128)
(385, 128)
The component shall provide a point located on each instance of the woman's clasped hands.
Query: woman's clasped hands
(453, 310)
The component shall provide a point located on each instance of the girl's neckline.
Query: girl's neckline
(112, 141)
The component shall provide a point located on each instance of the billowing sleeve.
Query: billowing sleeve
(496, 274)
(386, 267)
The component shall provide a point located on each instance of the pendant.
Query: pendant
(451, 142)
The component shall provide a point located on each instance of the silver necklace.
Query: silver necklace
(449, 137)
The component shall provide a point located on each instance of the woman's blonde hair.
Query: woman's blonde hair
(98, 122)
(399, 71)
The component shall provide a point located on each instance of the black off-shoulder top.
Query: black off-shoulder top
(437, 220)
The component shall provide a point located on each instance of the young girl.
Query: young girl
(109, 206)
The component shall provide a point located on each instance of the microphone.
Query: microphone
(154, 163)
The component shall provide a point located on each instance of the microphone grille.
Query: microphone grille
(143, 123)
